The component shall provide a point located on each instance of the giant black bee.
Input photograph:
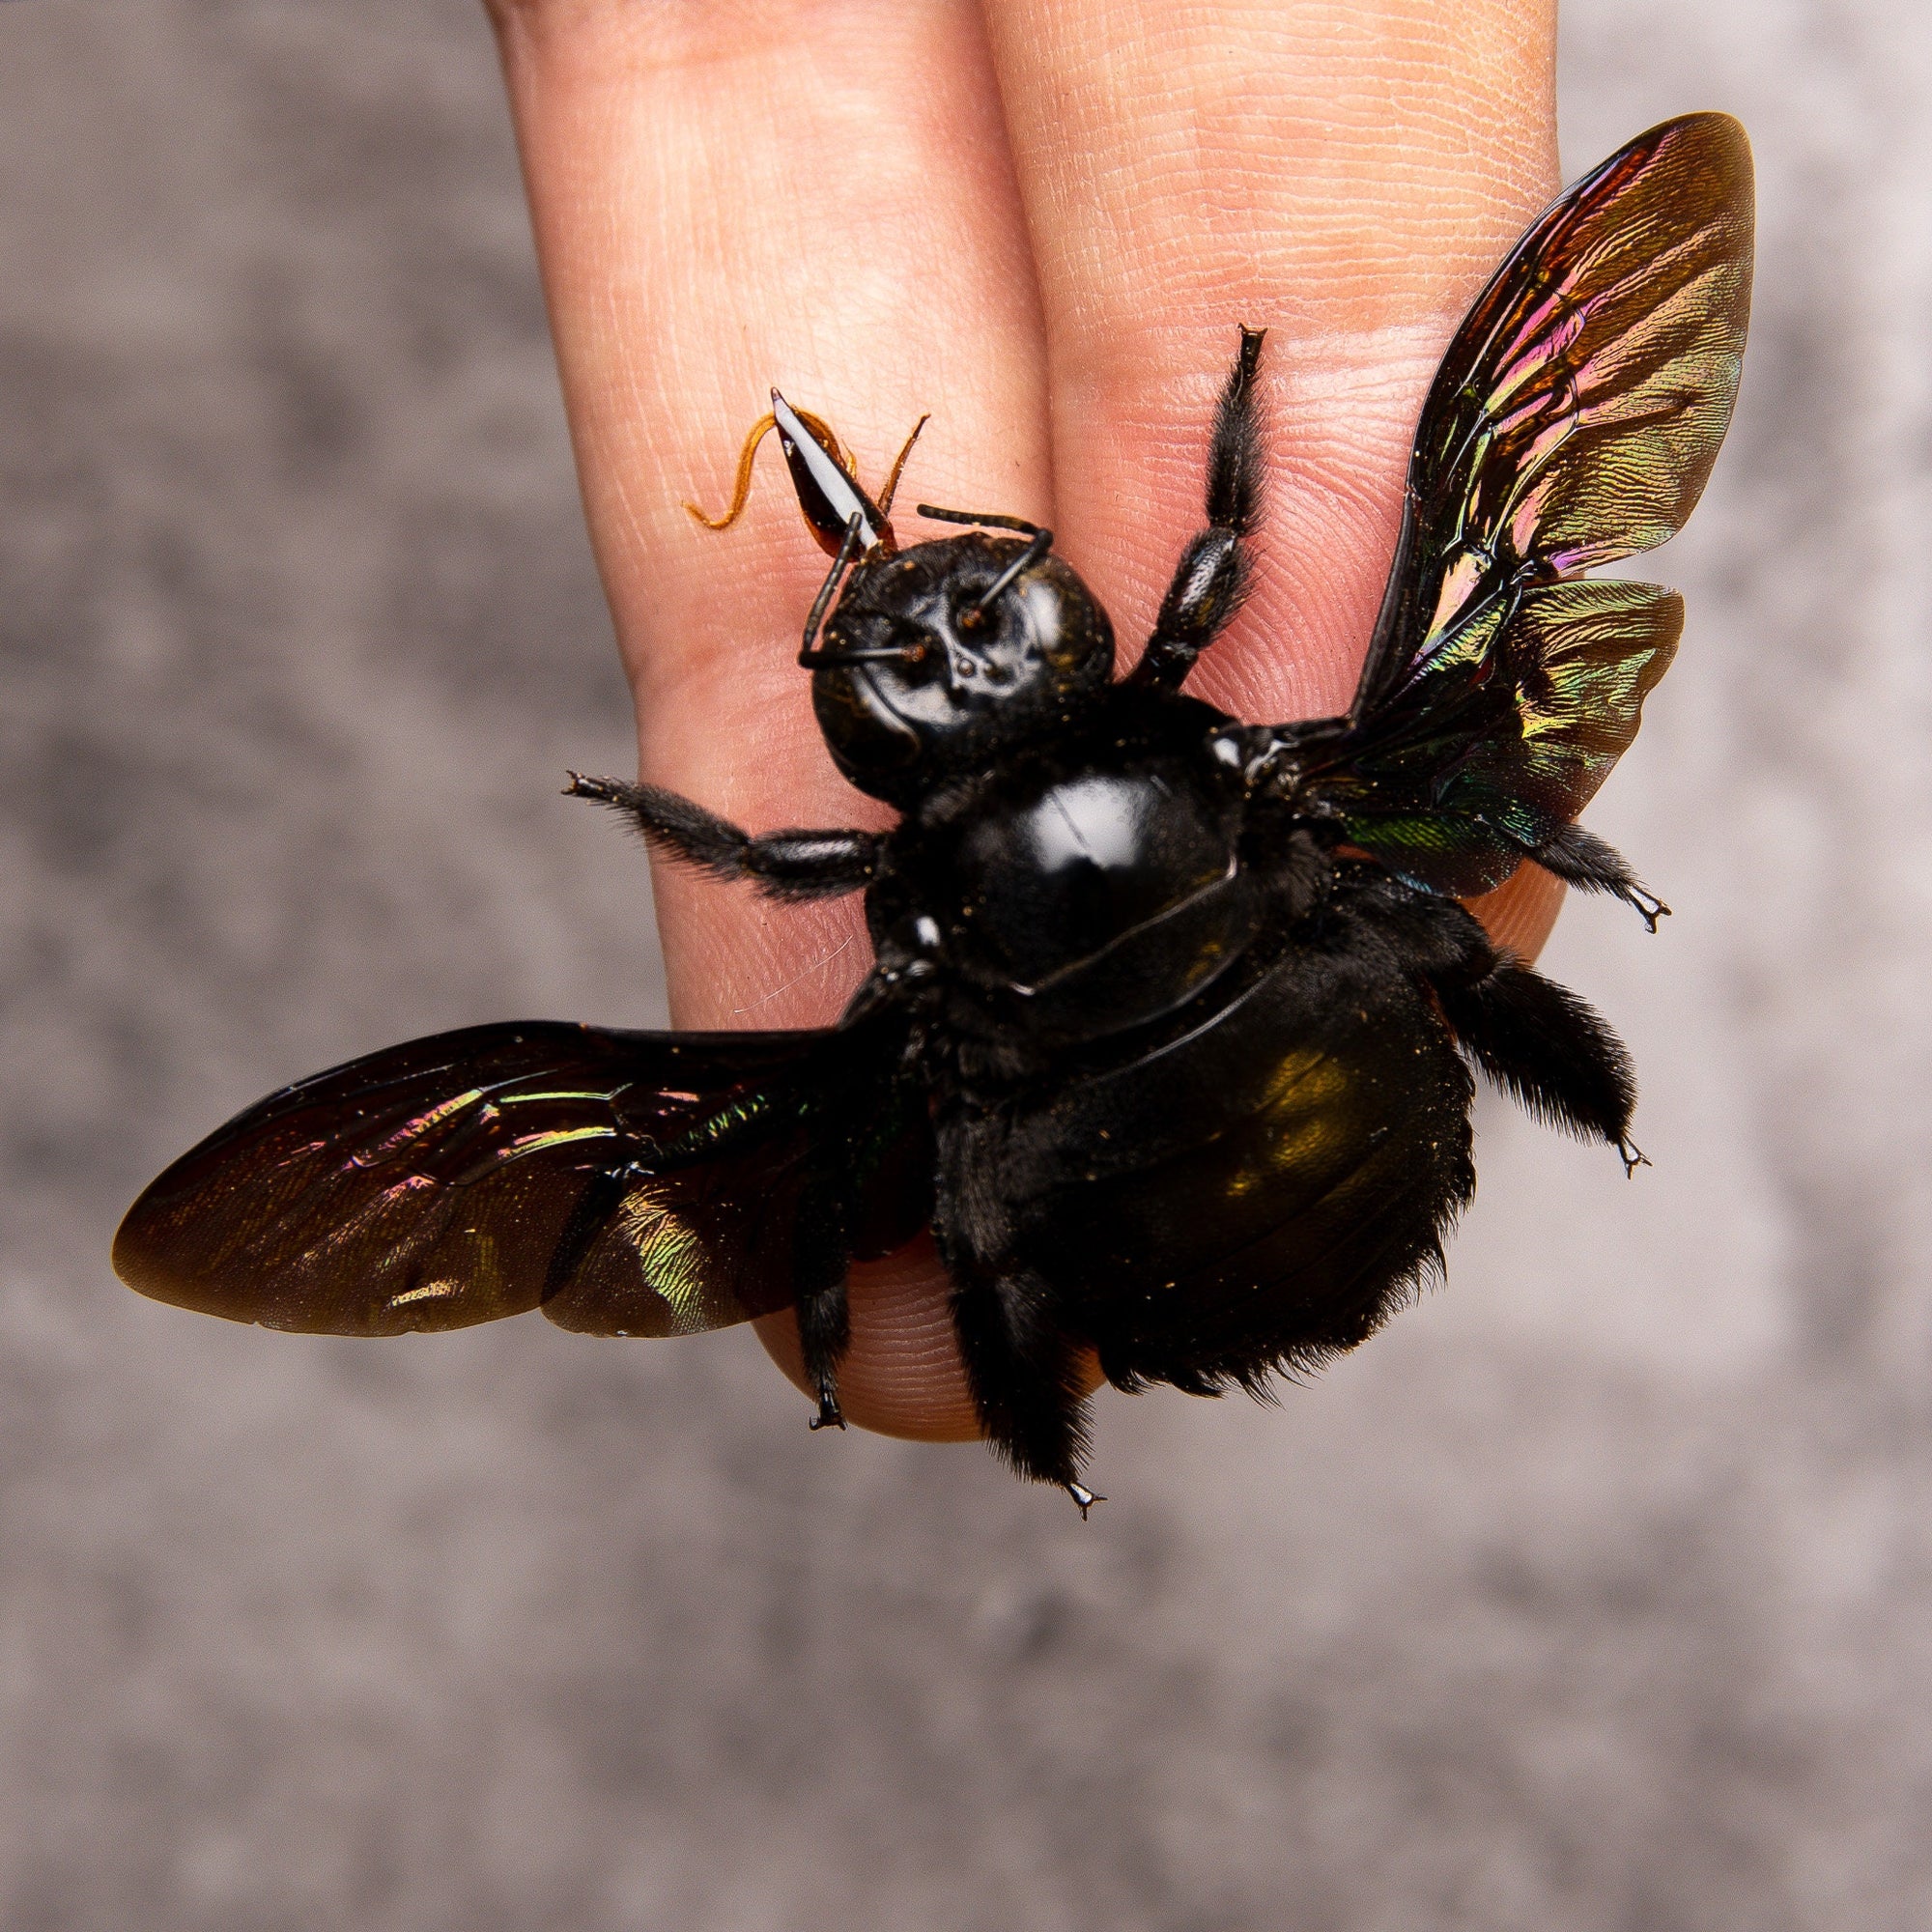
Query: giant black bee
(1170, 1032)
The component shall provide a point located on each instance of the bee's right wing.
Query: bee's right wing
(627, 1183)
(1574, 421)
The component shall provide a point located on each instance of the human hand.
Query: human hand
(1042, 221)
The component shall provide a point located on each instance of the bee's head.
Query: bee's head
(940, 657)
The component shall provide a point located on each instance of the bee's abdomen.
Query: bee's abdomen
(1256, 1193)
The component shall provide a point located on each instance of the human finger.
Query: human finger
(1346, 175)
(728, 196)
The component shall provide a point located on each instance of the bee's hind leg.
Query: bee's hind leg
(1540, 1042)
(1025, 1373)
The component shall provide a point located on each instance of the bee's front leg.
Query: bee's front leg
(1212, 579)
(787, 865)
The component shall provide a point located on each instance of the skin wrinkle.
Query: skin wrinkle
(730, 194)
(690, 38)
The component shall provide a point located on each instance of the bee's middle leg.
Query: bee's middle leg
(821, 1260)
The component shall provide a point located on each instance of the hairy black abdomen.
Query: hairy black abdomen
(1258, 1192)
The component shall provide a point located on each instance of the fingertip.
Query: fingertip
(902, 1374)
(1521, 912)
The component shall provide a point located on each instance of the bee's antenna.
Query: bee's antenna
(822, 603)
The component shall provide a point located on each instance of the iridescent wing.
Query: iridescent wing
(627, 1183)
(1574, 421)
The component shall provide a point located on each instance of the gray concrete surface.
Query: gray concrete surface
(1593, 1598)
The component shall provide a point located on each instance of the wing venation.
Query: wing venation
(625, 1183)
(1574, 422)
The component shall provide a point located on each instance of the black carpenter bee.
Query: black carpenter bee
(1169, 1029)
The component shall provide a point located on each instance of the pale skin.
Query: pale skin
(1042, 221)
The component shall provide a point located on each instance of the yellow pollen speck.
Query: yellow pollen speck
(429, 1290)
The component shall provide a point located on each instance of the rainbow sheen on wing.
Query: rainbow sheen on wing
(625, 1183)
(1574, 421)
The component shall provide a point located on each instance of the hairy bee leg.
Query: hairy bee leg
(1212, 579)
(820, 1250)
(1582, 860)
(1548, 1048)
(1534, 1039)
(1024, 1374)
(788, 865)
(823, 1334)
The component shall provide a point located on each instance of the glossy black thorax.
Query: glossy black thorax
(920, 684)
(1079, 888)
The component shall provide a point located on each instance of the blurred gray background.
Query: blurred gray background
(1593, 1598)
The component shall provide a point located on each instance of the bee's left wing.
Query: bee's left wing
(627, 1183)
(1574, 421)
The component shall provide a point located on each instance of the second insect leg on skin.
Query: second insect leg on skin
(1212, 579)
(821, 1258)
